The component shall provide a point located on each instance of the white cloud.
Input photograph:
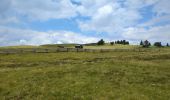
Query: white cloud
(46, 9)
(6, 14)
(37, 9)
(13, 36)
(162, 7)
(156, 21)
(8, 19)
(154, 34)
(122, 18)
(137, 4)
(89, 7)
(109, 17)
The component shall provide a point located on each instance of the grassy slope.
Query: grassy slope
(98, 76)
(73, 46)
(56, 45)
(112, 47)
(17, 47)
(106, 46)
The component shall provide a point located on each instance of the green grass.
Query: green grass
(86, 76)
(106, 46)
(21, 46)
(116, 46)
(56, 45)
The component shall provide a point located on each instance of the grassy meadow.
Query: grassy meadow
(86, 75)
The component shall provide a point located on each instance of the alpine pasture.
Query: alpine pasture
(119, 75)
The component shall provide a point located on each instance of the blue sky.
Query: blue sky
(36, 22)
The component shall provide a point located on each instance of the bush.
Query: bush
(112, 43)
(167, 44)
(124, 42)
(101, 42)
(146, 44)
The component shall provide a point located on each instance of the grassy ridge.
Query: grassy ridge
(107, 46)
(86, 76)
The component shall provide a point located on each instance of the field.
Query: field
(86, 75)
(106, 46)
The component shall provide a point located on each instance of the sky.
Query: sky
(37, 22)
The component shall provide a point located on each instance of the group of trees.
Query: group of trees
(167, 44)
(124, 42)
(146, 43)
(101, 42)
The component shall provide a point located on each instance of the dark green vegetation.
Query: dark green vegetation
(101, 42)
(86, 76)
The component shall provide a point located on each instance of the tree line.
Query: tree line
(145, 43)
(123, 42)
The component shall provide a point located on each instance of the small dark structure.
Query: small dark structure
(158, 44)
(79, 46)
(60, 46)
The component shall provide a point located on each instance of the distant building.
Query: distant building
(158, 44)
(79, 46)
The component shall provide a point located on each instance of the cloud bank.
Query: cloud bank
(12, 36)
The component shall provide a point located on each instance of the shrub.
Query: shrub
(101, 42)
